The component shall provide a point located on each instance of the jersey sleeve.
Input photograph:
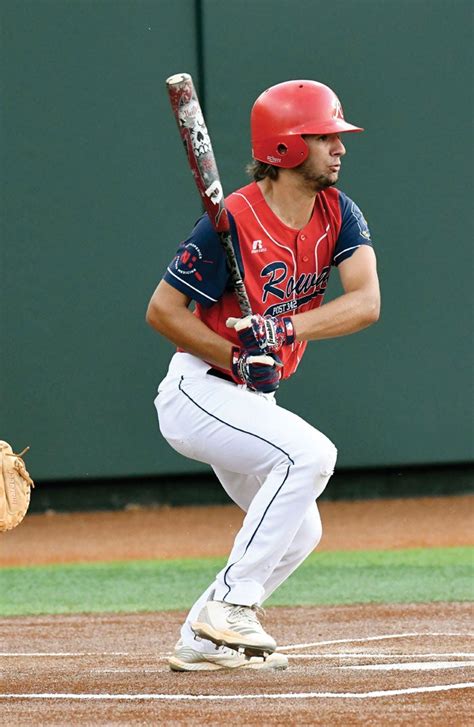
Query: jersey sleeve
(199, 268)
(354, 230)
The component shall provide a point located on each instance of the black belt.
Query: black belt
(220, 375)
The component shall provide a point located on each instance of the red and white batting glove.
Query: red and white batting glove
(259, 373)
(263, 334)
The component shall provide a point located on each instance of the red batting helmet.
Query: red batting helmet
(283, 113)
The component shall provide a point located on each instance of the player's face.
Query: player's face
(321, 168)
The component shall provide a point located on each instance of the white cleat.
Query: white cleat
(185, 658)
(235, 626)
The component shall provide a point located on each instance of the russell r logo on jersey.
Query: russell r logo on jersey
(258, 246)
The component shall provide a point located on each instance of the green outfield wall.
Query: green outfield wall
(96, 195)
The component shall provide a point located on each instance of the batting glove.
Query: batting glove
(263, 334)
(259, 373)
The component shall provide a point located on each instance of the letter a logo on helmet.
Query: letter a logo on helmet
(282, 114)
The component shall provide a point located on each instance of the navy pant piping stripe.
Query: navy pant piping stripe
(237, 429)
(251, 434)
(254, 532)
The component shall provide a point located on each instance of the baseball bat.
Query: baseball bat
(197, 143)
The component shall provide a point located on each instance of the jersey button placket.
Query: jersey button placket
(302, 238)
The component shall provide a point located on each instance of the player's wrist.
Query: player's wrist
(274, 332)
(263, 334)
(289, 330)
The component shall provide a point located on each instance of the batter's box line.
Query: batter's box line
(393, 655)
(382, 637)
(63, 653)
(409, 666)
(238, 697)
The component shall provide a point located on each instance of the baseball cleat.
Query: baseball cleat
(234, 626)
(185, 658)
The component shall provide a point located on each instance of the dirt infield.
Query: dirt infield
(183, 532)
(370, 665)
(349, 665)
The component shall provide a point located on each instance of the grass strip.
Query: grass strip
(326, 578)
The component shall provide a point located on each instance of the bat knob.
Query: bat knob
(177, 78)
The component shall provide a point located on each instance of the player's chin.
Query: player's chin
(328, 180)
(321, 181)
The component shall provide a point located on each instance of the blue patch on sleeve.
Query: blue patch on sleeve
(199, 269)
(354, 230)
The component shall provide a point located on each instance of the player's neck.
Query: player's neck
(289, 201)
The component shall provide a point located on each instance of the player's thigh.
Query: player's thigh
(234, 429)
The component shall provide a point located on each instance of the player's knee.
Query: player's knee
(329, 459)
(328, 464)
(318, 460)
(319, 456)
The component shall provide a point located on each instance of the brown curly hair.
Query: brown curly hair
(260, 170)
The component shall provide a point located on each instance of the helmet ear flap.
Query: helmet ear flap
(285, 152)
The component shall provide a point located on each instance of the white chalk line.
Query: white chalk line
(376, 655)
(419, 666)
(307, 645)
(382, 637)
(394, 666)
(63, 653)
(412, 666)
(326, 655)
(236, 697)
(120, 670)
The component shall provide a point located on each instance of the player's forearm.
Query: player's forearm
(182, 328)
(349, 313)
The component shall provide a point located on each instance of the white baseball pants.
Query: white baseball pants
(271, 462)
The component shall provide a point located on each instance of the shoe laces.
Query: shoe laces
(245, 613)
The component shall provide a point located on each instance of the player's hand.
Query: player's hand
(260, 373)
(263, 334)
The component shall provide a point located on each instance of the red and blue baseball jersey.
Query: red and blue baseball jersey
(285, 271)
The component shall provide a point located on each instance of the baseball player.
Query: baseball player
(217, 404)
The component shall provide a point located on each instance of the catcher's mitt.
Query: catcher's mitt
(15, 487)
